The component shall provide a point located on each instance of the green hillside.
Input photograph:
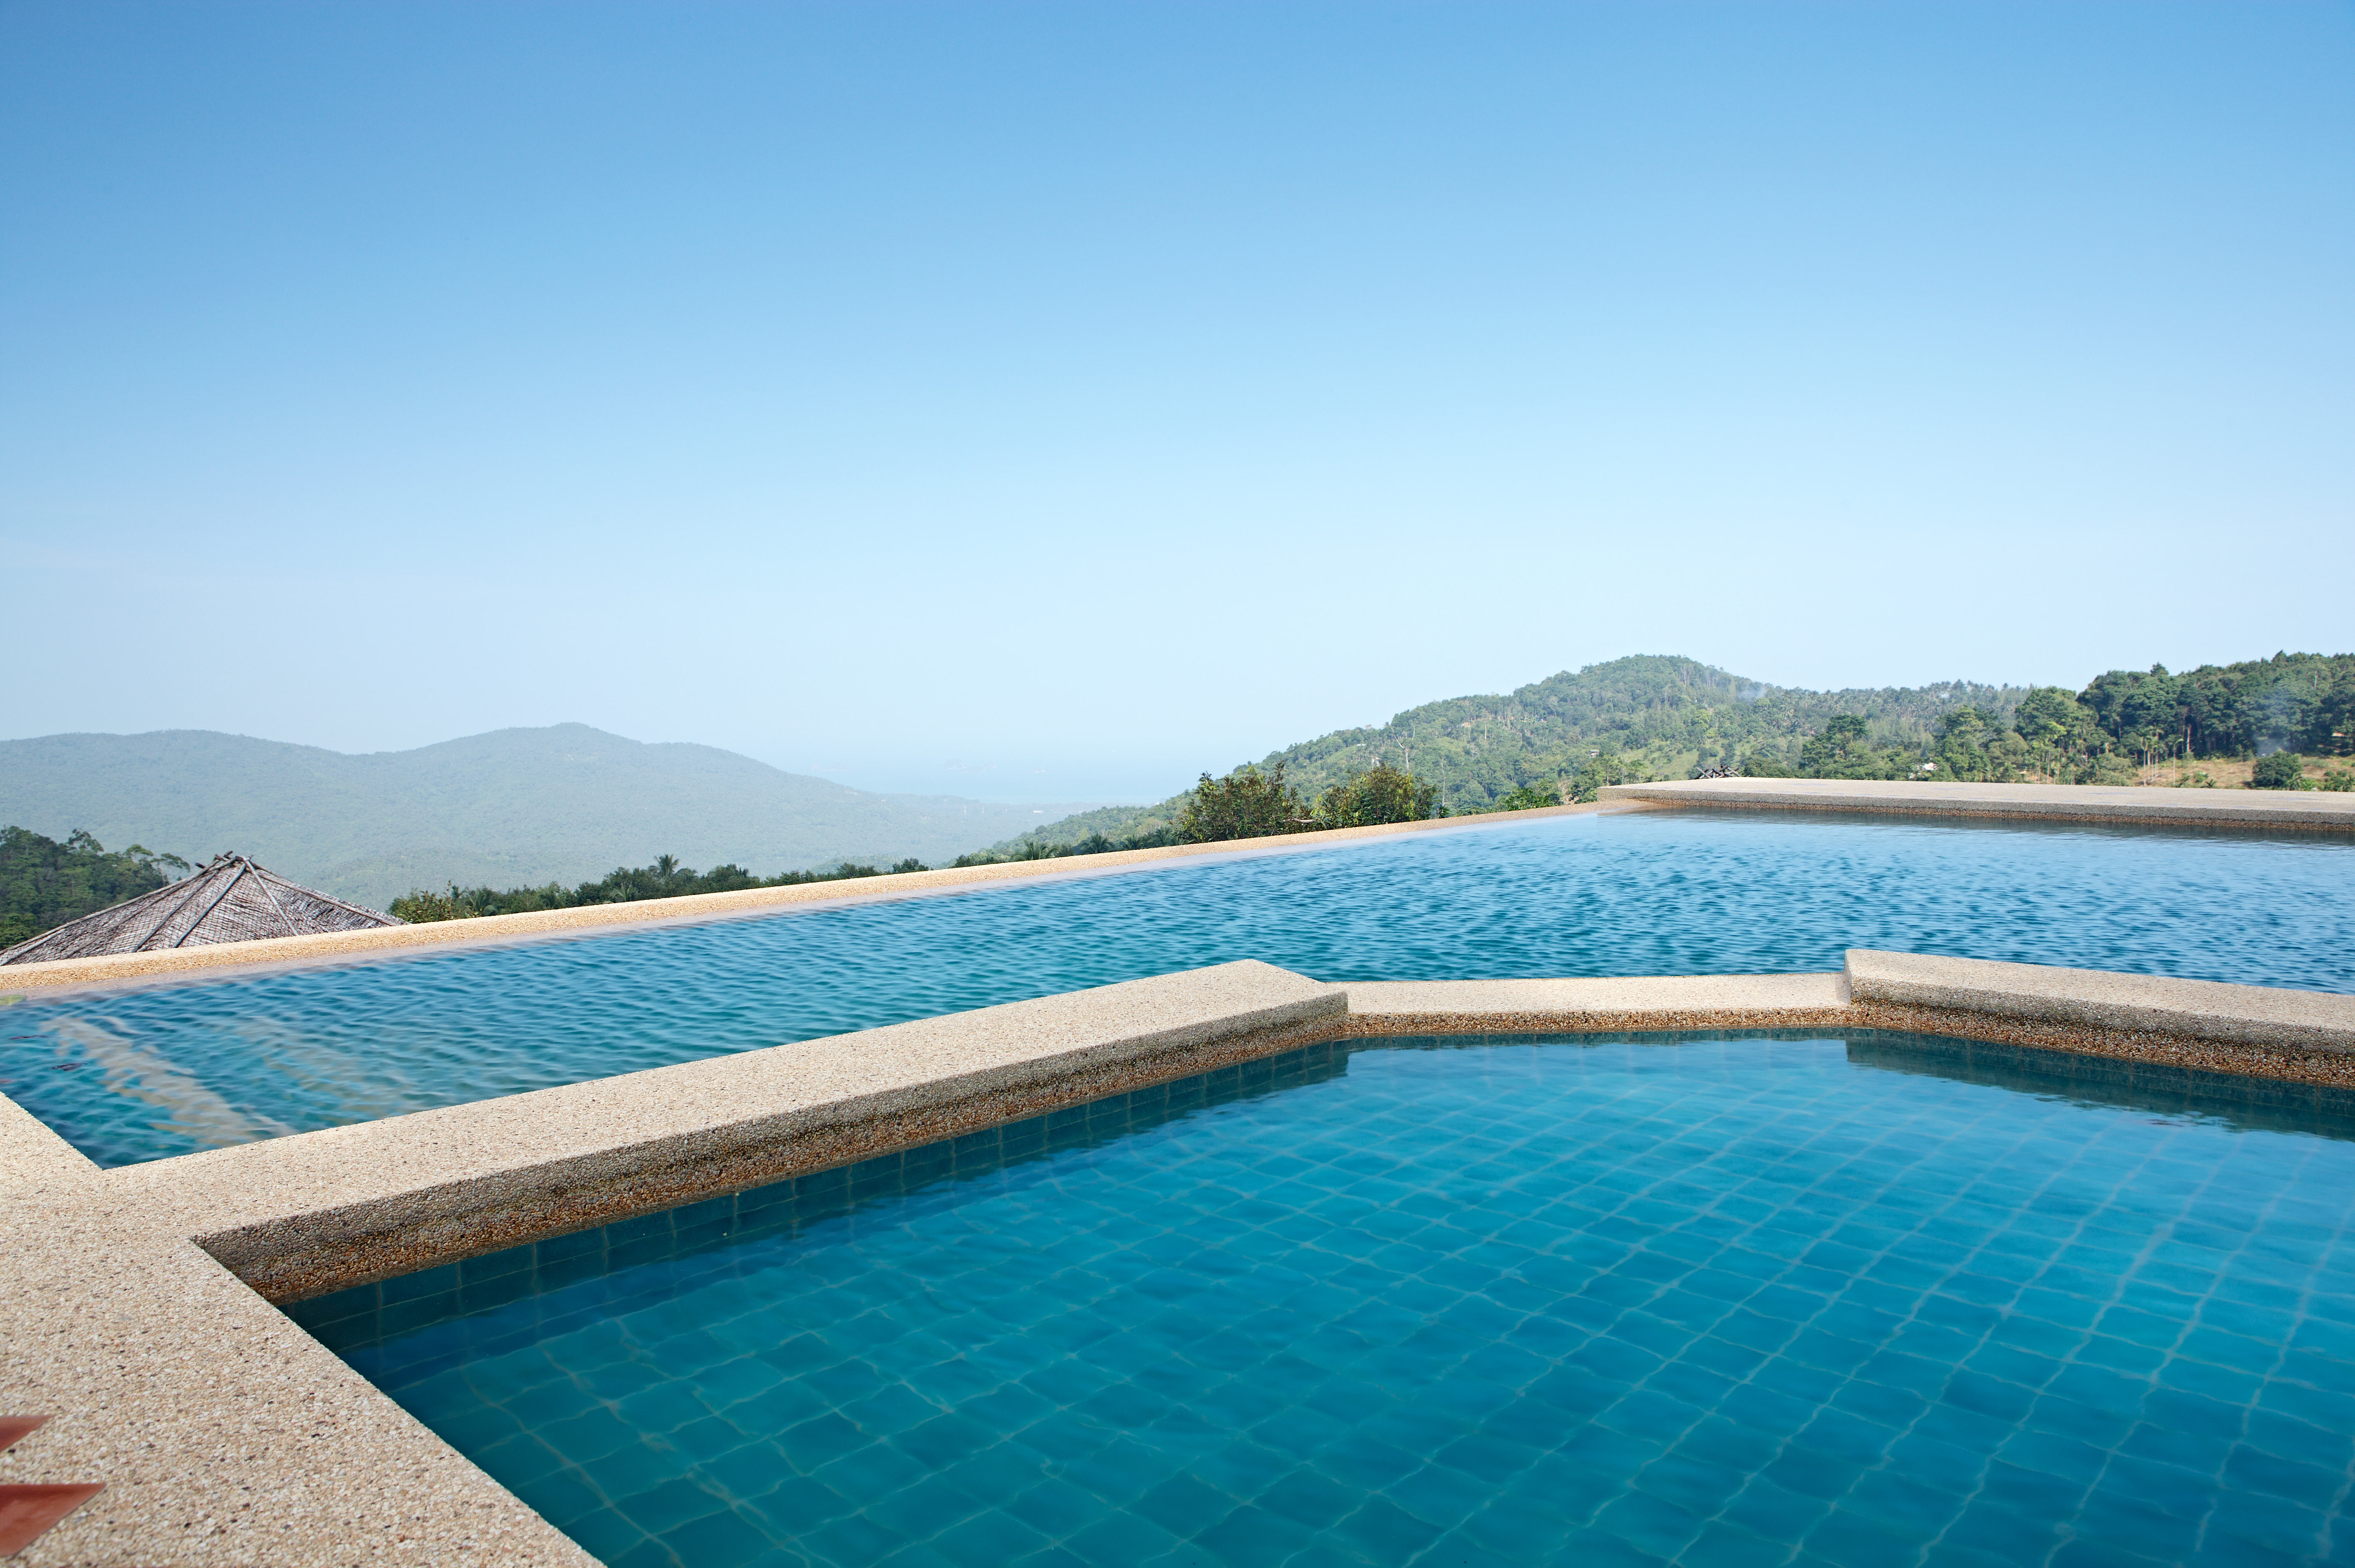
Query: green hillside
(512, 807)
(1661, 716)
(1654, 716)
(1664, 716)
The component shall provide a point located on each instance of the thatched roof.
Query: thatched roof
(232, 900)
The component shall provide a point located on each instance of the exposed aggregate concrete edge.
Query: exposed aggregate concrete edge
(2270, 810)
(283, 1273)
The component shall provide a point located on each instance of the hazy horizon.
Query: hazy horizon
(1146, 797)
(1046, 404)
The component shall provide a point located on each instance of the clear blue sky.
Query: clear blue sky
(1049, 402)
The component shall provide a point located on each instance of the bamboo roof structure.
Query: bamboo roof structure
(231, 900)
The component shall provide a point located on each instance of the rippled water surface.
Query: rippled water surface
(141, 1073)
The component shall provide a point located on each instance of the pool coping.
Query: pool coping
(136, 1297)
(2136, 804)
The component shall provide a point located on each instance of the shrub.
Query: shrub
(423, 907)
(1246, 804)
(1529, 797)
(2283, 770)
(1377, 796)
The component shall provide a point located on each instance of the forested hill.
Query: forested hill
(1659, 716)
(1662, 715)
(515, 806)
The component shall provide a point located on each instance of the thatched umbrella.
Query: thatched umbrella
(232, 900)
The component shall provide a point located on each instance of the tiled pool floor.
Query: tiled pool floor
(1723, 1301)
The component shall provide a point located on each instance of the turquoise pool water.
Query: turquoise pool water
(137, 1074)
(1718, 1300)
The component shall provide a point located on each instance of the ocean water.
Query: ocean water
(1866, 1301)
(141, 1073)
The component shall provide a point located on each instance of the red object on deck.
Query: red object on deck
(26, 1513)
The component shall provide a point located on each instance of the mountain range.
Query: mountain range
(569, 803)
(512, 807)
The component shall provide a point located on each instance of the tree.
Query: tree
(1963, 741)
(1605, 768)
(1377, 796)
(1246, 804)
(1841, 749)
(2048, 716)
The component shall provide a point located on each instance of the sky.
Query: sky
(1050, 401)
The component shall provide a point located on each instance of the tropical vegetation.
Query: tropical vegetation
(666, 879)
(1247, 802)
(44, 883)
(2122, 722)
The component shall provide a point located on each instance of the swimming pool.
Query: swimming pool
(1862, 1300)
(137, 1074)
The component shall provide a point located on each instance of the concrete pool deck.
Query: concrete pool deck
(137, 1300)
(2141, 805)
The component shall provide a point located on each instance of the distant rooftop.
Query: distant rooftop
(231, 900)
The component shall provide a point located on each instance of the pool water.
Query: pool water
(1717, 1299)
(136, 1074)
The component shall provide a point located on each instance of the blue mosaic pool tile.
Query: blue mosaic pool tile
(1736, 1300)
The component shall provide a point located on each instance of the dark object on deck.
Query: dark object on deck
(232, 900)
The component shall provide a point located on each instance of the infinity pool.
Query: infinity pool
(136, 1074)
(1707, 1300)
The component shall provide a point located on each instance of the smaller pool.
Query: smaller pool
(1704, 1299)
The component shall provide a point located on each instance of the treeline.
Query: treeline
(1249, 803)
(1654, 716)
(2278, 710)
(2302, 703)
(44, 883)
(666, 879)
(2050, 738)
